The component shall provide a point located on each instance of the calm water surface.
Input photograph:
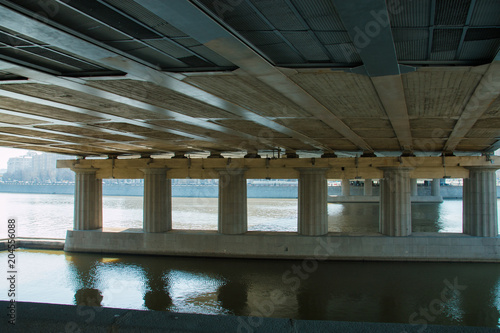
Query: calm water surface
(415, 293)
(50, 215)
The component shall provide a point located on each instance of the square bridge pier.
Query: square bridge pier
(395, 241)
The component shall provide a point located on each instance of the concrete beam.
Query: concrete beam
(71, 83)
(368, 25)
(391, 93)
(338, 168)
(487, 91)
(68, 43)
(187, 17)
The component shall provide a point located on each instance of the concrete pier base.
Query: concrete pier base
(376, 247)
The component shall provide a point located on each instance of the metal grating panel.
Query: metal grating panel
(451, 12)
(345, 53)
(113, 18)
(486, 12)
(168, 47)
(56, 56)
(238, 14)
(333, 37)
(212, 56)
(482, 34)
(279, 14)
(281, 54)
(484, 50)
(409, 13)
(445, 44)
(411, 44)
(273, 46)
(480, 44)
(150, 55)
(11, 40)
(23, 57)
(319, 14)
(145, 16)
(307, 46)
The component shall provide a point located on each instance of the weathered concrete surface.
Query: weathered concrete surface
(289, 245)
(38, 317)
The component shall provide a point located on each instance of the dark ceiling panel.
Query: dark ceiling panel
(279, 14)
(409, 14)
(320, 15)
(486, 12)
(452, 12)
(445, 44)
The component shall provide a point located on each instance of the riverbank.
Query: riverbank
(40, 317)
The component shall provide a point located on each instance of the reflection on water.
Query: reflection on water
(46, 215)
(415, 293)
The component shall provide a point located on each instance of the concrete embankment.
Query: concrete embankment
(39, 317)
(35, 243)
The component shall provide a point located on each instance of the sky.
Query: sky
(6, 153)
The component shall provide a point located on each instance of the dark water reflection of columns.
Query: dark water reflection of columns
(415, 293)
(84, 270)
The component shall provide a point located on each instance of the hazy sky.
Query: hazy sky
(6, 153)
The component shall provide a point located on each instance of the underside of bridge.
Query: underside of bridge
(146, 77)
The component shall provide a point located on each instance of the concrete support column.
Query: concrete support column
(413, 187)
(368, 187)
(157, 200)
(395, 203)
(88, 200)
(232, 202)
(436, 187)
(480, 202)
(313, 194)
(346, 187)
(98, 205)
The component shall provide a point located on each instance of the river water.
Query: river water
(50, 215)
(415, 293)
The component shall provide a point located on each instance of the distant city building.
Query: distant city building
(37, 167)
